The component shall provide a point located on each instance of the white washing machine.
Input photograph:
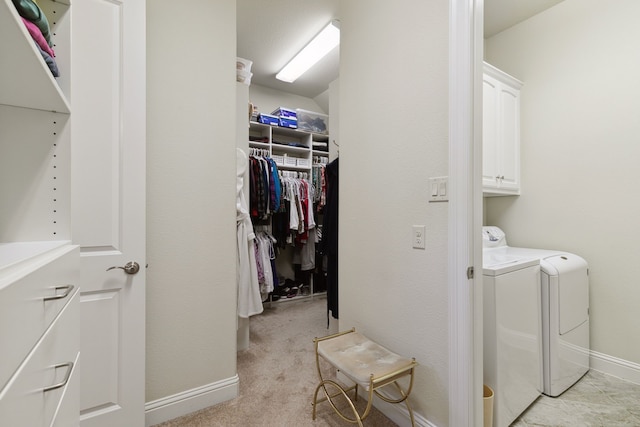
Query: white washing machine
(564, 291)
(512, 333)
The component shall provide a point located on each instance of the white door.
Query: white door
(108, 206)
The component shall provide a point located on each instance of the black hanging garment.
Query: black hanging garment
(329, 242)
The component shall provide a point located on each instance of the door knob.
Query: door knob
(131, 267)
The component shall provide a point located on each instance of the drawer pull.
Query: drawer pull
(67, 291)
(64, 382)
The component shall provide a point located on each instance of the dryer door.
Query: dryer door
(572, 292)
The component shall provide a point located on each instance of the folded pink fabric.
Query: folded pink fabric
(36, 35)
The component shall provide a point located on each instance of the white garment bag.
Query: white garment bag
(249, 299)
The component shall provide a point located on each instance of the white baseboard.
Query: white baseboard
(613, 366)
(183, 403)
(398, 413)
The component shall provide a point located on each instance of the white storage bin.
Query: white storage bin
(310, 121)
(303, 162)
(243, 64)
(278, 159)
(244, 76)
(290, 161)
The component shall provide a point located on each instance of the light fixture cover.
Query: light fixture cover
(321, 45)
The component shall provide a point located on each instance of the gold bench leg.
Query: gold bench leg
(329, 397)
(404, 397)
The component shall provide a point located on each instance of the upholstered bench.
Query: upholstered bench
(366, 363)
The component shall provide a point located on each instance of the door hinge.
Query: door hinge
(470, 272)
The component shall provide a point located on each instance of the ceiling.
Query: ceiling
(271, 33)
(502, 14)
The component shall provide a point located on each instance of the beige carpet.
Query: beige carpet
(278, 375)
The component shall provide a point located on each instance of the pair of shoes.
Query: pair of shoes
(292, 292)
(288, 291)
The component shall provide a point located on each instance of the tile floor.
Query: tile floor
(596, 400)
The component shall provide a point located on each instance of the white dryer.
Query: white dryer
(564, 291)
(512, 333)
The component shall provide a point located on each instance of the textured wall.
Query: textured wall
(191, 290)
(393, 137)
(580, 65)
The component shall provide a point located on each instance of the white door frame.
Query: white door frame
(465, 212)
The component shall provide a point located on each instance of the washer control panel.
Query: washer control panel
(493, 237)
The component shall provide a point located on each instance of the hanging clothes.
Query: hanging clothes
(297, 206)
(249, 299)
(265, 187)
(318, 180)
(266, 256)
(329, 242)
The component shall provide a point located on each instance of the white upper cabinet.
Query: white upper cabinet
(501, 133)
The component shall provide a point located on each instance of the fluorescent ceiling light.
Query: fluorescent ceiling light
(317, 48)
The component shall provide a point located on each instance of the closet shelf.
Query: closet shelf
(16, 254)
(263, 145)
(293, 168)
(297, 298)
(288, 148)
(25, 79)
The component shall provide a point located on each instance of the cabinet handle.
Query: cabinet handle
(64, 382)
(67, 291)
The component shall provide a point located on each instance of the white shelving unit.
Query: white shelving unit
(292, 150)
(295, 147)
(39, 267)
(34, 130)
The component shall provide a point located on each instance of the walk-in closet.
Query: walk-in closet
(288, 139)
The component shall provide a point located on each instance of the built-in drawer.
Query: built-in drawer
(30, 299)
(37, 392)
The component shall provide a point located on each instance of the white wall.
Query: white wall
(393, 137)
(268, 99)
(579, 63)
(191, 289)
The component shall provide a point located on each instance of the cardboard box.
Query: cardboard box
(288, 123)
(268, 119)
(284, 113)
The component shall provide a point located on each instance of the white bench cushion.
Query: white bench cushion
(358, 357)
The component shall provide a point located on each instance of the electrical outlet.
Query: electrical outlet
(419, 236)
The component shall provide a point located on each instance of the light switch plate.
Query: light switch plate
(438, 188)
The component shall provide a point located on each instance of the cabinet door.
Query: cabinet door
(490, 140)
(509, 128)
